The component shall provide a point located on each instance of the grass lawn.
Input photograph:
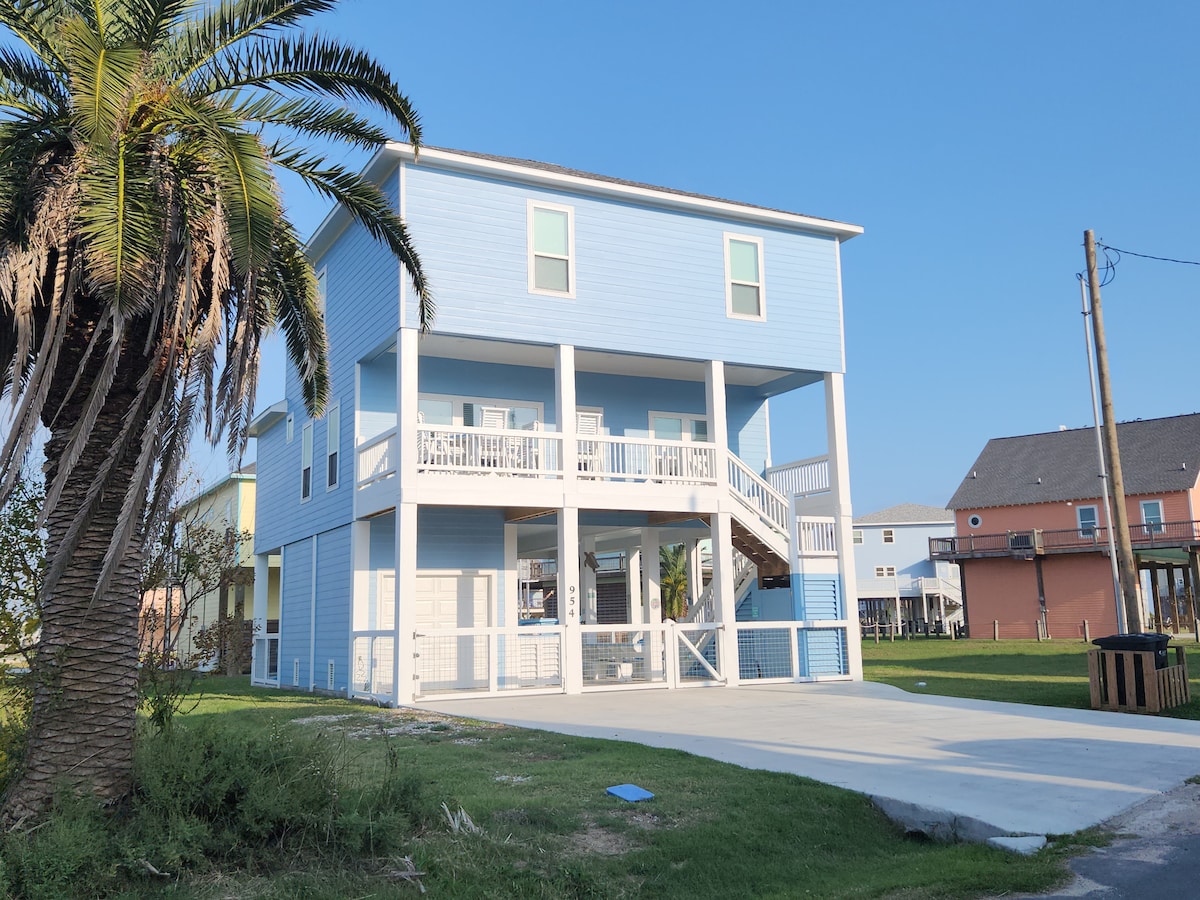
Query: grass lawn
(1044, 673)
(550, 831)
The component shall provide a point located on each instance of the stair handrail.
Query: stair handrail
(704, 610)
(757, 495)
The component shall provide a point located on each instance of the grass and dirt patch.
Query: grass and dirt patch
(1042, 673)
(272, 794)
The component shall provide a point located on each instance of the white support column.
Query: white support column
(695, 571)
(718, 422)
(568, 599)
(406, 603)
(564, 405)
(312, 619)
(633, 574)
(650, 590)
(262, 580)
(587, 580)
(723, 587)
(839, 483)
(407, 388)
(407, 392)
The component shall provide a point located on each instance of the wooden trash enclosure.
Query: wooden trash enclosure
(1126, 681)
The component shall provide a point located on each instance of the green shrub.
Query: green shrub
(208, 798)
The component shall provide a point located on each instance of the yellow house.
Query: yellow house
(175, 616)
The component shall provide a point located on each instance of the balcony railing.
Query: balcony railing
(1040, 541)
(805, 476)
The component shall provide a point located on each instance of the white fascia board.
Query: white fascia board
(267, 418)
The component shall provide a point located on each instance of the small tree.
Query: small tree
(22, 564)
(192, 560)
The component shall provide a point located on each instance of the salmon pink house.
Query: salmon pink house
(568, 484)
(1031, 533)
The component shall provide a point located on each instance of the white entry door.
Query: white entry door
(446, 602)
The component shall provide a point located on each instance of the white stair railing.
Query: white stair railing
(704, 610)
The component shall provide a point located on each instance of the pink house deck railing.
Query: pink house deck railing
(1040, 541)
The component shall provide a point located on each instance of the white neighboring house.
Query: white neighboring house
(897, 581)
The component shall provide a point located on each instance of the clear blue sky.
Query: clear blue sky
(974, 142)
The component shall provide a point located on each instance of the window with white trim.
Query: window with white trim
(332, 438)
(885, 571)
(1087, 517)
(1152, 516)
(551, 249)
(668, 426)
(306, 461)
(889, 536)
(744, 294)
(857, 535)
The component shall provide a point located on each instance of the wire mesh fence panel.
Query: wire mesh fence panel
(624, 656)
(374, 665)
(699, 654)
(765, 653)
(448, 663)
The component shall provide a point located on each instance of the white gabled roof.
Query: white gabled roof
(550, 175)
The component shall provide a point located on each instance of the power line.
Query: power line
(1120, 253)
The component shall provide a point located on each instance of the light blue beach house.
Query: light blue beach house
(481, 509)
(898, 584)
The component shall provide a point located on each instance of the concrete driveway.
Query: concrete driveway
(969, 769)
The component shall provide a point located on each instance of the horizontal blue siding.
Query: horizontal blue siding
(746, 414)
(647, 280)
(818, 596)
(295, 617)
(909, 554)
(334, 588)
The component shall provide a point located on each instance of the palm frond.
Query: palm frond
(102, 79)
(370, 207)
(297, 309)
(315, 65)
(35, 25)
(313, 118)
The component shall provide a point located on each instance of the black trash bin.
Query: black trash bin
(1144, 642)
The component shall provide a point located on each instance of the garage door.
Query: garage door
(446, 601)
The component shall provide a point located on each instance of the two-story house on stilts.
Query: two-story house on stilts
(484, 508)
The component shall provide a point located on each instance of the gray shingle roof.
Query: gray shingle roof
(906, 514)
(1157, 456)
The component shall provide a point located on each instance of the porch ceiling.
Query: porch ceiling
(541, 356)
(541, 538)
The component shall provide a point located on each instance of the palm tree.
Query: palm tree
(144, 254)
(673, 580)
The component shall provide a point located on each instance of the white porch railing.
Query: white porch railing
(818, 536)
(947, 589)
(444, 448)
(805, 476)
(489, 660)
(376, 459)
(645, 459)
(766, 503)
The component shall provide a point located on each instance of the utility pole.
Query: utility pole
(1120, 516)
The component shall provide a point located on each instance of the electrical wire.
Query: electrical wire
(1120, 253)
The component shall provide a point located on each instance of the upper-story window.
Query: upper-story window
(551, 249)
(332, 441)
(1088, 517)
(857, 535)
(744, 295)
(889, 536)
(678, 427)
(885, 571)
(1152, 516)
(306, 461)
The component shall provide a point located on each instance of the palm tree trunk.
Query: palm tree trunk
(85, 671)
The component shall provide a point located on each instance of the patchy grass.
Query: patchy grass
(1042, 673)
(543, 826)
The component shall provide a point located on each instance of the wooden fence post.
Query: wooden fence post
(995, 629)
(1087, 632)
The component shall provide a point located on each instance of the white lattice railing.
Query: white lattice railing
(805, 476)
